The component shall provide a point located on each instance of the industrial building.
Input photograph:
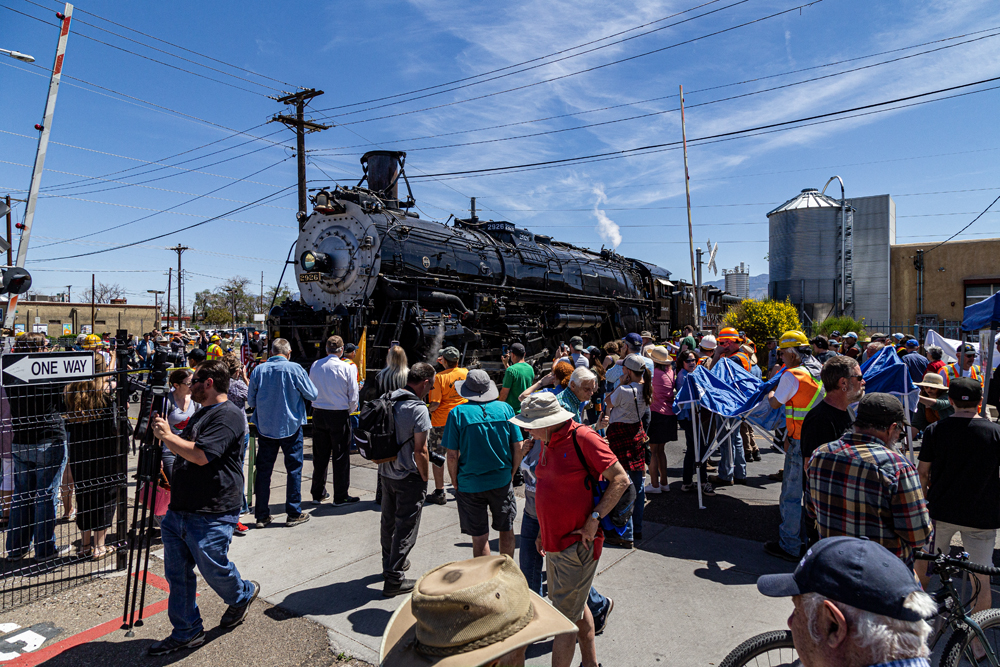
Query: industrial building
(831, 256)
(56, 318)
(738, 281)
(933, 283)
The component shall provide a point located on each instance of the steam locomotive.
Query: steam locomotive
(368, 267)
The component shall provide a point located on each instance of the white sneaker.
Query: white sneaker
(649, 488)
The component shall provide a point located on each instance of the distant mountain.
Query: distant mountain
(758, 285)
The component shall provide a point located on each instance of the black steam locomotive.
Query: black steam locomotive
(367, 266)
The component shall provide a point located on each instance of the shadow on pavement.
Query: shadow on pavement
(336, 598)
(371, 622)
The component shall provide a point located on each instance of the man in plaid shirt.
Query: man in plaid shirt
(861, 486)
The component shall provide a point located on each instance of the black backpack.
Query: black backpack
(375, 434)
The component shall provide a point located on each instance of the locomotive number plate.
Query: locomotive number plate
(310, 277)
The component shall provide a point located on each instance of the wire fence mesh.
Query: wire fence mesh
(64, 453)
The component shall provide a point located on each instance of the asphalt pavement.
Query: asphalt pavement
(685, 596)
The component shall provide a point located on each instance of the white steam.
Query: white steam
(609, 231)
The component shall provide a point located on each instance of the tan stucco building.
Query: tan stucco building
(54, 316)
(956, 274)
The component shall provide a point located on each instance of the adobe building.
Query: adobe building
(55, 318)
(955, 275)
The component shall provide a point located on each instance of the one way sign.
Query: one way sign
(33, 368)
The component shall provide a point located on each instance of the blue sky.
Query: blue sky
(358, 52)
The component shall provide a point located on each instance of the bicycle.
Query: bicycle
(776, 648)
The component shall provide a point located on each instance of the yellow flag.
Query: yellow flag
(362, 355)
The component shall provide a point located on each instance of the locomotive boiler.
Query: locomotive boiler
(366, 266)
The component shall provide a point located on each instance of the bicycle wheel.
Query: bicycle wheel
(959, 651)
(773, 649)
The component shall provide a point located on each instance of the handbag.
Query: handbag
(618, 518)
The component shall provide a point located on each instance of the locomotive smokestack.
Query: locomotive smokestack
(382, 171)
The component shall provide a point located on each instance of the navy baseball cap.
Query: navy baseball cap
(633, 339)
(913, 342)
(853, 571)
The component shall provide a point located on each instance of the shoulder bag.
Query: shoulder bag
(618, 518)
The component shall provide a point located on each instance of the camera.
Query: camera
(437, 459)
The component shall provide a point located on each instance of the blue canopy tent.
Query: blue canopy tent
(984, 315)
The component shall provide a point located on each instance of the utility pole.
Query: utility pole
(180, 302)
(43, 143)
(93, 295)
(69, 293)
(10, 248)
(170, 274)
(260, 306)
(687, 188)
(301, 126)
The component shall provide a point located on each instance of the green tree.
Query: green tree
(763, 319)
(843, 324)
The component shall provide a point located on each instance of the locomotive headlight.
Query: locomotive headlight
(315, 261)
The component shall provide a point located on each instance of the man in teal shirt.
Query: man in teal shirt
(483, 453)
(518, 377)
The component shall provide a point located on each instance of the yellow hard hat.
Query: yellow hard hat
(792, 338)
(91, 341)
(215, 339)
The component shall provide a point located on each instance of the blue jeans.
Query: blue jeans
(634, 526)
(198, 539)
(533, 564)
(38, 471)
(790, 535)
(733, 445)
(267, 454)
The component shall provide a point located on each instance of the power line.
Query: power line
(177, 46)
(165, 234)
(665, 111)
(964, 228)
(154, 214)
(552, 62)
(567, 75)
(640, 149)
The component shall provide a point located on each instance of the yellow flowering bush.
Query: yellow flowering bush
(763, 319)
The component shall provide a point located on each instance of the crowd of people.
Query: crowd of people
(581, 438)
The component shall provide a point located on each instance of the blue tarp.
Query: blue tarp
(886, 373)
(982, 315)
(730, 391)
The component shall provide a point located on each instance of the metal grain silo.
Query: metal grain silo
(804, 253)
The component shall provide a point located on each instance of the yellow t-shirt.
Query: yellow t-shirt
(445, 394)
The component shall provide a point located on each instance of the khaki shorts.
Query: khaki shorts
(434, 441)
(978, 542)
(570, 574)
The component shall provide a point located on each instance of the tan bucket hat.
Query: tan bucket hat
(467, 614)
(660, 355)
(541, 409)
(932, 381)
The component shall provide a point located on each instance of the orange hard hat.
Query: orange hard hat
(728, 334)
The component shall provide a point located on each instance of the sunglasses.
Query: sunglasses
(198, 380)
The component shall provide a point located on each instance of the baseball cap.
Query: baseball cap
(913, 342)
(881, 410)
(835, 333)
(852, 571)
(834, 343)
(450, 353)
(633, 339)
(350, 347)
(850, 334)
(965, 348)
(517, 349)
(576, 342)
(965, 389)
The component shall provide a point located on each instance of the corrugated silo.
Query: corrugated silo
(804, 254)
(738, 281)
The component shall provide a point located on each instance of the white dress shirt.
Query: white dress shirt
(337, 383)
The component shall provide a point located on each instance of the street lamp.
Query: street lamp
(17, 55)
(156, 300)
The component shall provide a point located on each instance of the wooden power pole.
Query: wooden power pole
(180, 303)
(301, 126)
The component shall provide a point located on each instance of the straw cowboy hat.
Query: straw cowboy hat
(541, 410)
(660, 355)
(477, 387)
(467, 614)
(932, 381)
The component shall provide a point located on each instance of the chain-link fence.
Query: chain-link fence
(64, 453)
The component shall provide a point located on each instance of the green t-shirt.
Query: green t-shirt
(517, 378)
(484, 438)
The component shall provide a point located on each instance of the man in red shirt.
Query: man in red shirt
(569, 535)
